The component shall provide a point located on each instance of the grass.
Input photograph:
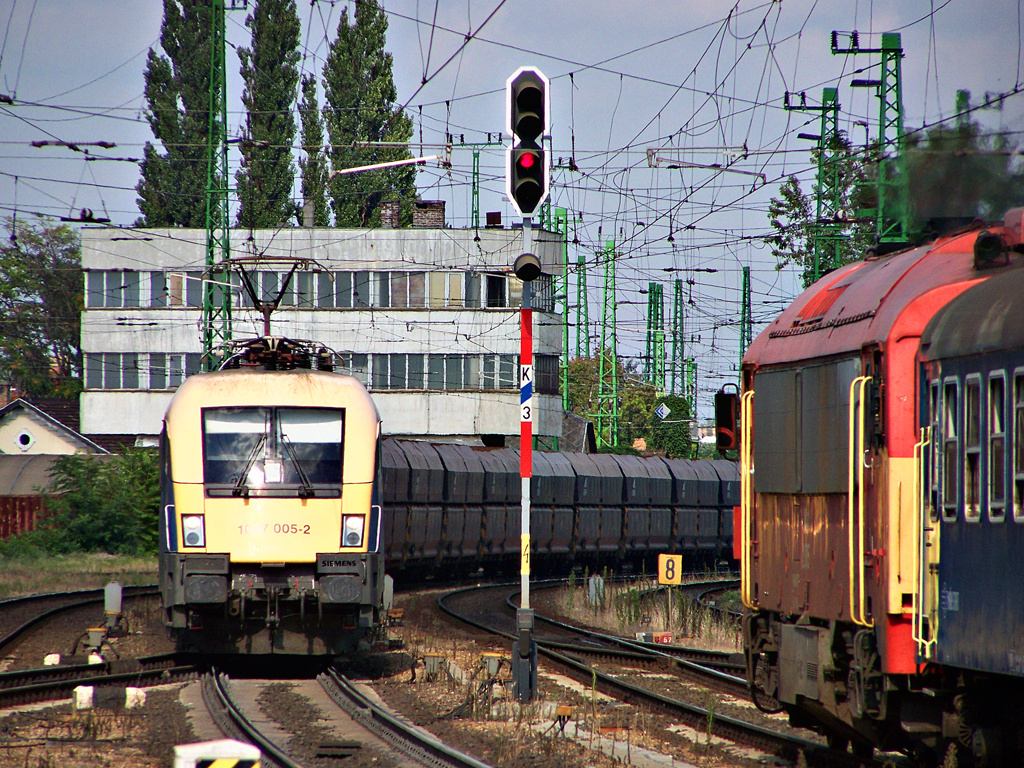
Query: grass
(627, 608)
(57, 573)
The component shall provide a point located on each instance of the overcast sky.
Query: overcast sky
(698, 82)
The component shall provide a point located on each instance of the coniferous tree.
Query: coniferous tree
(314, 165)
(269, 71)
(359, 92)
(172, 191)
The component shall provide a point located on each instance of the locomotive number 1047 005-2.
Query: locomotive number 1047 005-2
(260, 528)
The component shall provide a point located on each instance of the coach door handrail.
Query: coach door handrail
(746, 495)
(925, 647)
(855, 512)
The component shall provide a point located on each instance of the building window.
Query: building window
(545, 374)
(500, 372)
(950, 464)
(446, 289)
(166, 371)
(972, 449)
(194, 289)
(407, 289)
(397, 371)
(996, 448)
(451, 372)
(112, 288)
(497, 295)
(303, 282)
(354, 365)
(473, 290)
(111, 370)
(543, 293)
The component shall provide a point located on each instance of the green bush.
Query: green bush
(98, 504)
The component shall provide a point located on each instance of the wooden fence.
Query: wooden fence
(19, 514)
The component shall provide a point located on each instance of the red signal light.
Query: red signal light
(527, 160)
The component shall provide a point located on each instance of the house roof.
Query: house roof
(25, 475)
(55, 413)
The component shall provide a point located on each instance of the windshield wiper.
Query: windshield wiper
(307, 486)
(241, 489)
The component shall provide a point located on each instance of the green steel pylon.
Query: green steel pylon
(892, 214)
(582, 310)
(678, 338)
(216, 296)
(746, 321)
(562, 295)
(690, 393)
(827, 229)
(654, 370)
(607, 416)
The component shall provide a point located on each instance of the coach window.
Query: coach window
(1018, 447)
(950, 465)
(996, 448)
(972, 449)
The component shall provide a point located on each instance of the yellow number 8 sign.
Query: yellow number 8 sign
(670, 569)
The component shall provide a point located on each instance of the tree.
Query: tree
(360, 94)
(954, 173)
(958, 172)
(637, 402)
(793, 215)
(314, 165)
(269, 71)
(172, 190)
(103, 504)
(40, 307)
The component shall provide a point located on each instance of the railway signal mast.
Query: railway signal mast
(527, 120)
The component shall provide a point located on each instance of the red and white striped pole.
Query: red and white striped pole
(527, 269)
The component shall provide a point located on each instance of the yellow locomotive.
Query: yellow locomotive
(270, 532)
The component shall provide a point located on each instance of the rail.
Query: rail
(925, 646)
(746, 496)
(856, 501)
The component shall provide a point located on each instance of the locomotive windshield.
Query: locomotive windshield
(261, 451)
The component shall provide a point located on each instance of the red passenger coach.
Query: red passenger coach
(830, 522)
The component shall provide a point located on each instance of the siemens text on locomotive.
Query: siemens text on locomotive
(270, 536)
(882, 502)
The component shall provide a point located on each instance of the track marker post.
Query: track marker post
(524, 650)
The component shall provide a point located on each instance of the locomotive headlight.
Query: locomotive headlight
(352, 530)
(195, 530)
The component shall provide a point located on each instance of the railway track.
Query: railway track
(414, 745)
(20, 614)
(32, 686)
(557, 646)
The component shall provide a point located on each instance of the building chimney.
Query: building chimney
(428, 214)
(389, 210)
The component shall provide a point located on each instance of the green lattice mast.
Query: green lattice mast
(562, 295)
(746, 320)
(607, 416)
(582, 310)
(655, 357)
(216, 297)
(827, 227)
(892, 214)
(678, 339)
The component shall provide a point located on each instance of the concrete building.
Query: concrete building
(426, 317)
